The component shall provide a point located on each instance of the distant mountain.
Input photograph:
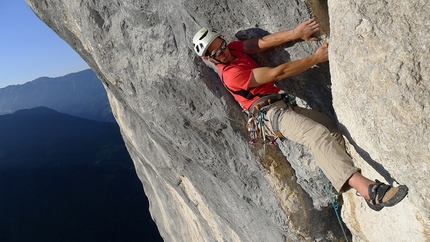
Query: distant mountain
(42, 137)
(79, 94)
(68, 179)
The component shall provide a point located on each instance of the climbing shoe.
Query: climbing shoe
(383, 195)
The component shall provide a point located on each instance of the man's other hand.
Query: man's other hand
(306, 29)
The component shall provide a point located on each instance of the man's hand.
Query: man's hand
(321, 54)
(306, 29)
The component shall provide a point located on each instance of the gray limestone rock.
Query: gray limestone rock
(381, 96)
(186, 134)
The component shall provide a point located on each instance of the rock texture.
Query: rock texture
(381, 95)
(186, 134)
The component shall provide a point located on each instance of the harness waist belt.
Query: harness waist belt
(265, 101)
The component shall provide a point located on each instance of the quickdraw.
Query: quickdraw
(253, 129)
(257, 128)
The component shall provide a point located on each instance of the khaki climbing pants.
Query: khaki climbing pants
(321, 135)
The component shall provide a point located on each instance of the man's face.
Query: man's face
(218, 51)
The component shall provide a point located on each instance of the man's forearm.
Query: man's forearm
(259, 44)
(303, 31)
(265, 75)
(278, 38)
(294, 67)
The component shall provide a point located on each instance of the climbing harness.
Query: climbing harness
(334, 203)
(256, 118)
(275, 123)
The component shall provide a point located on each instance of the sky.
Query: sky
(29, 49)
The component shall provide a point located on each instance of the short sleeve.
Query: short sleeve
(236, 45)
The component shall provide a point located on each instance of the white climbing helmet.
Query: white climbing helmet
(203, 39)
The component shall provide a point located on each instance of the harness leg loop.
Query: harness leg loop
(275, 124)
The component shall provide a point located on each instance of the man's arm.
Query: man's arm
(303, 31)
(263, 75)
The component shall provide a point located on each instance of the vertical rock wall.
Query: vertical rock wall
(185, 132)
(379, 55)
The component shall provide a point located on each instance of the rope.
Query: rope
(334, 204)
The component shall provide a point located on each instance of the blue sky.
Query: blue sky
(29, 49)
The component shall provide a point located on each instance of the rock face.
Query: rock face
(186, 134)
(381, 95)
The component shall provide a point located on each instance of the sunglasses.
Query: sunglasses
(219, 50)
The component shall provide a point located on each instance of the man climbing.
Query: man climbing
(253, 87)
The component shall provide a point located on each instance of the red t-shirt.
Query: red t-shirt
(237, 75)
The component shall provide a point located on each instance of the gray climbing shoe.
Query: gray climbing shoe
(383, 195)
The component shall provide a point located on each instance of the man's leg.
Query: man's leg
(330, 156)
(329, 123)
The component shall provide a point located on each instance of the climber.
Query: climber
(253, 87)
